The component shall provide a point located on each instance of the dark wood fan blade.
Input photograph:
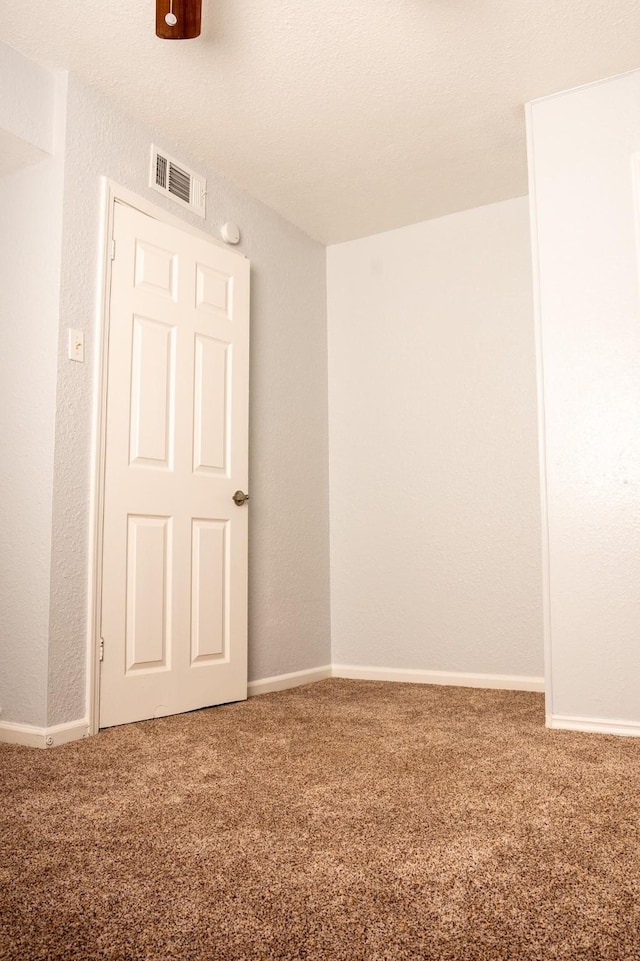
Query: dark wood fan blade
(188, 15)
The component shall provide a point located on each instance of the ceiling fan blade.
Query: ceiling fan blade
(178, 19)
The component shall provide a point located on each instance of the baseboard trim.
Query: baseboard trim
(505, 682)
(43, 737)
(593, 725)
(283, 682)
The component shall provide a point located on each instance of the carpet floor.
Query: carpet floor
(341, 821)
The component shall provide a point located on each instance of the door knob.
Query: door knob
(240, 497)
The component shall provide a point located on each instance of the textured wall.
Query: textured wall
(288, 553)
(26, 109)
(435, 527)
(585, 206)
(30, 232)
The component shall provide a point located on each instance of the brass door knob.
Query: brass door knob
(239, 498)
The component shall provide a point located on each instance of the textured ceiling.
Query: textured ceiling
(347, 118)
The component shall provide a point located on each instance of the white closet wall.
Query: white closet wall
(582, 149)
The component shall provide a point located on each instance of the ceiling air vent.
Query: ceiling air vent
(180, 183)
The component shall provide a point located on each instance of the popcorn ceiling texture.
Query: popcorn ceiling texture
(348, 119)
(288, 563)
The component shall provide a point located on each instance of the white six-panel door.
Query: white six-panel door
(174, 586)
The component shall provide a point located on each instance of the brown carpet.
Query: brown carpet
(346, 820)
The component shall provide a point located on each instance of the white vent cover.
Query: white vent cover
(174, 180)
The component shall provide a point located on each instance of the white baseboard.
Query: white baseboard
(505, 682)
(593, 725)
(30, 736)
(282, 682)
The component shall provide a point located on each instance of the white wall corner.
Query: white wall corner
(281, 682)
(542, 452)
(27, 111)
(593, 725)
(43, 737)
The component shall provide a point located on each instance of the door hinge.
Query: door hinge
(113, 250)
(101, 654)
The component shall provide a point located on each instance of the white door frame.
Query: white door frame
(111, 193)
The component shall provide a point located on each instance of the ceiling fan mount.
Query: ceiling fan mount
(178, 19)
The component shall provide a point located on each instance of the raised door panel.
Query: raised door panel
(152, 406)
(209, 590)
(211, 414)
(156, 269)
(148, 593)
(214, 291)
